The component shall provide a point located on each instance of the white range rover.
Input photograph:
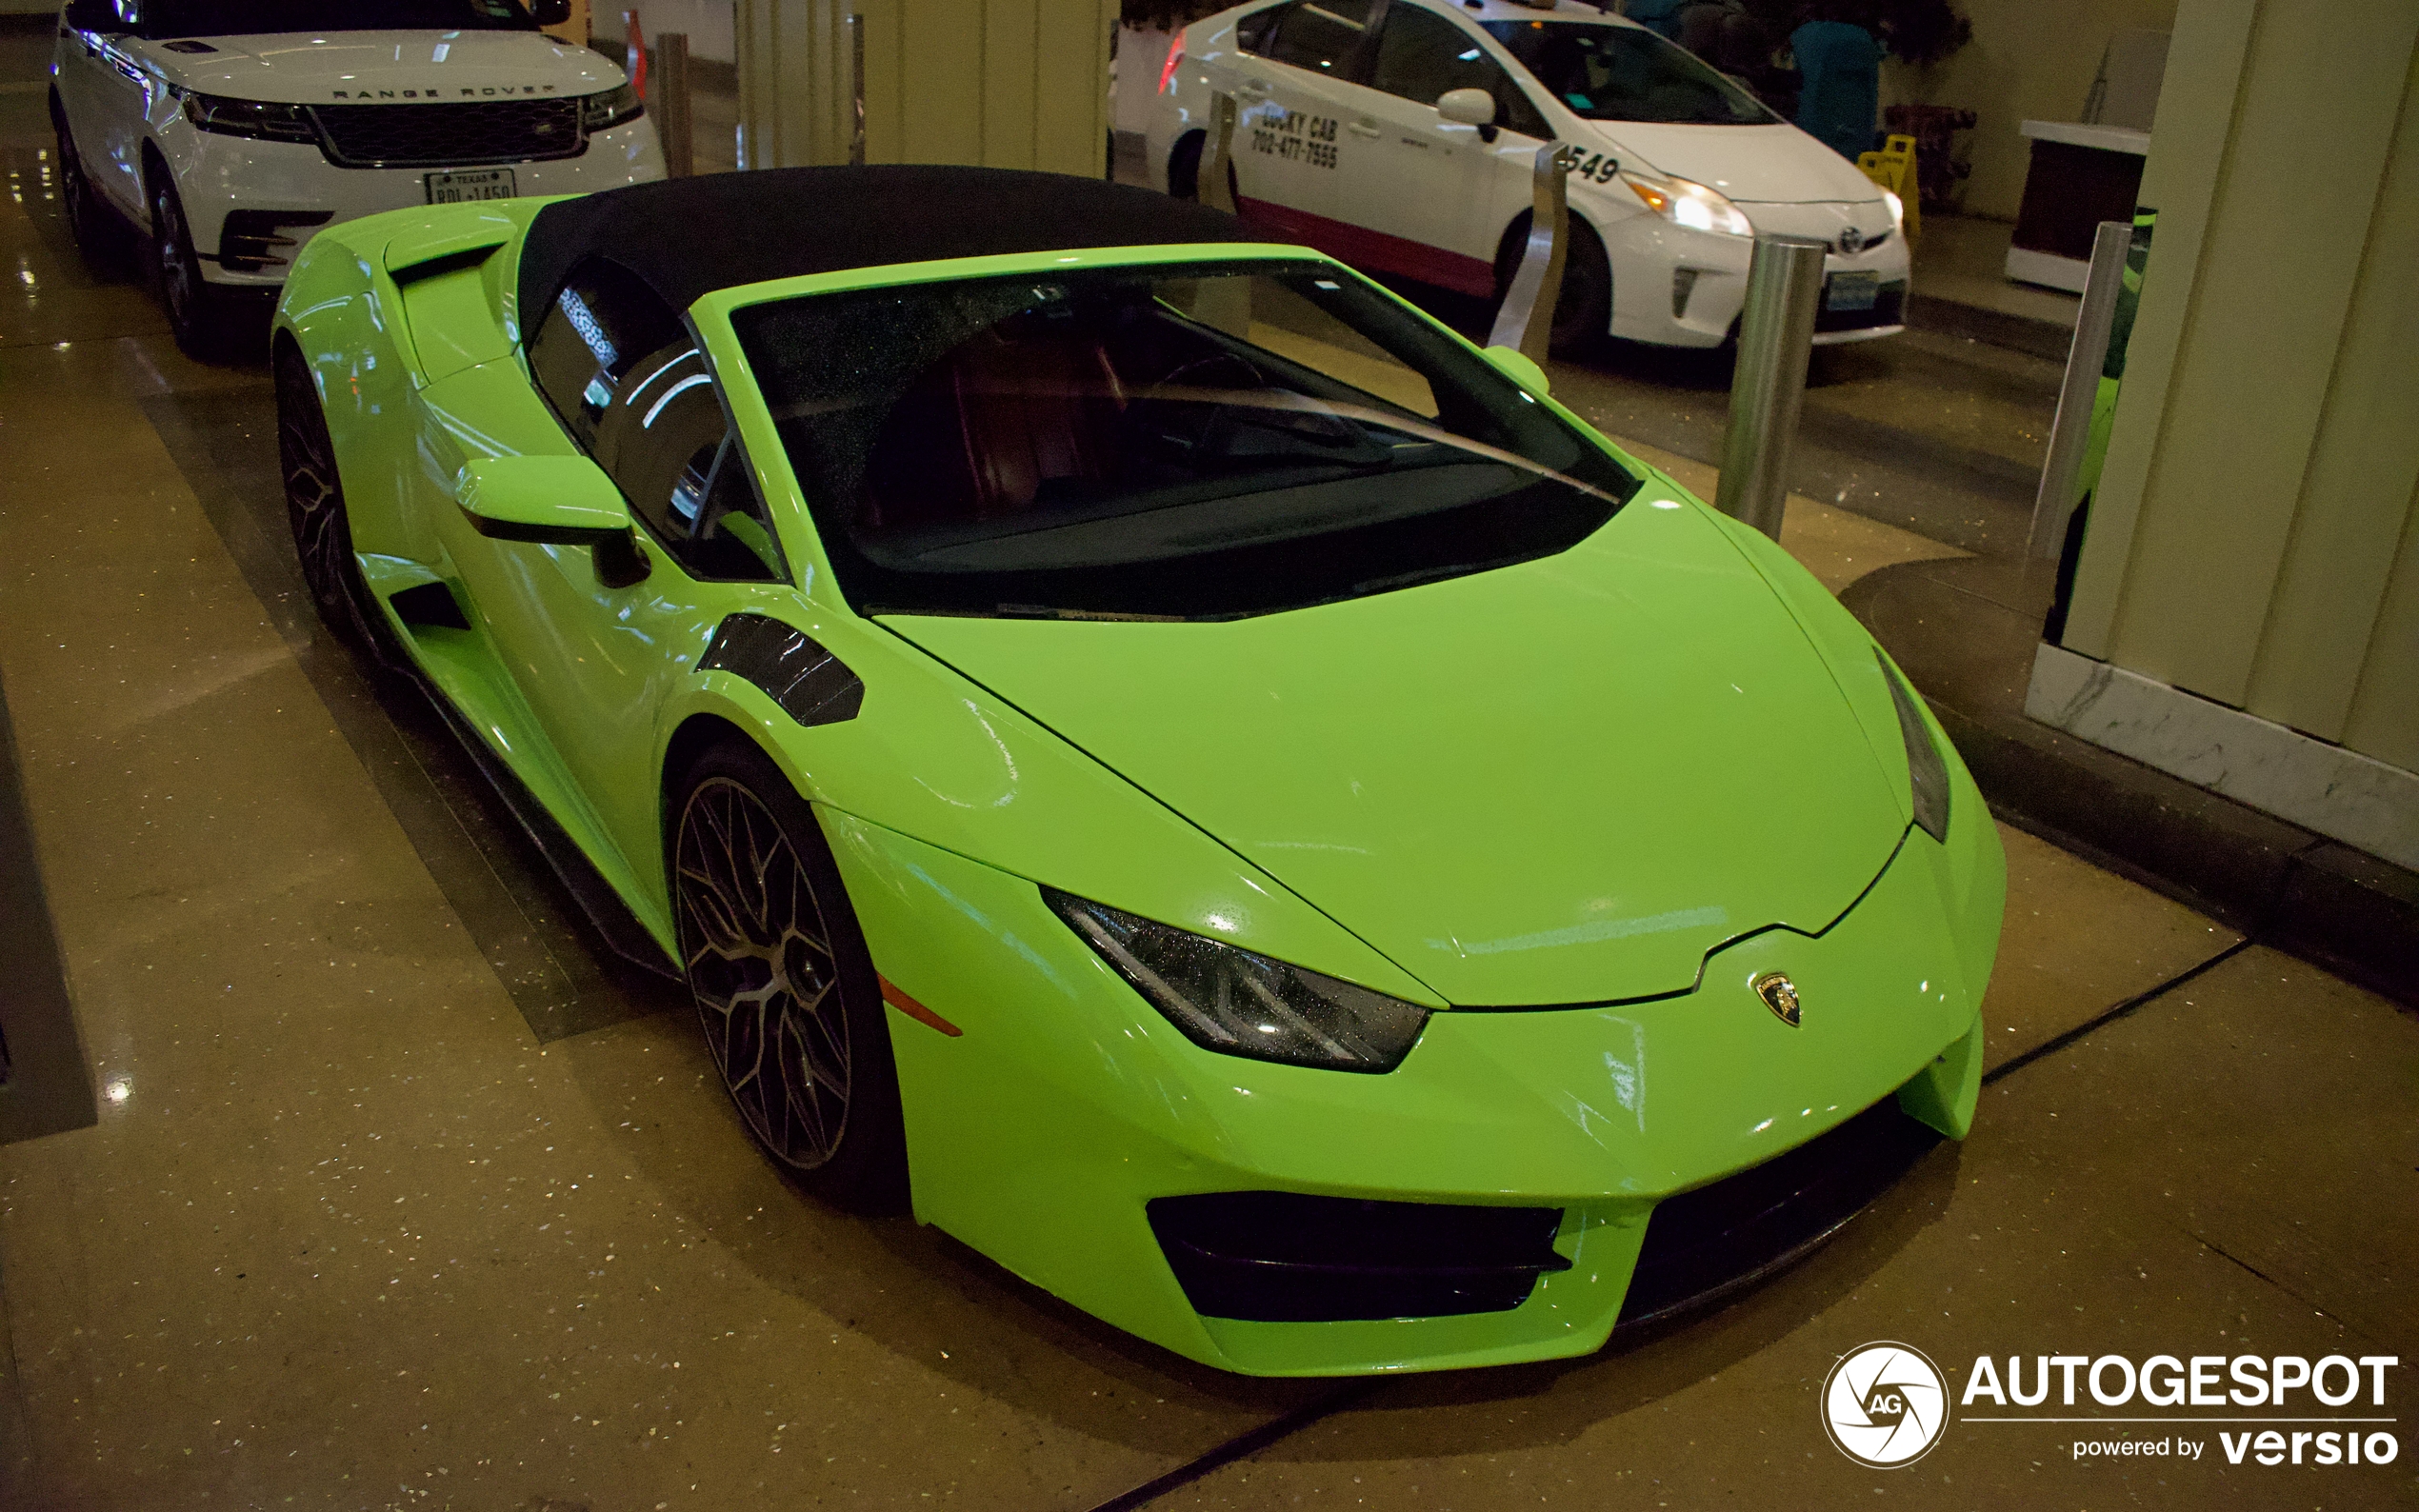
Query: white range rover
(228, 131)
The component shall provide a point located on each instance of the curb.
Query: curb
(2279, 885)
(2038, 338)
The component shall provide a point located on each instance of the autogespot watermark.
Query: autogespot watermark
(1886, 1405)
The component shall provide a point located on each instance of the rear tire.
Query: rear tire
(1183, 167)
(786, 990)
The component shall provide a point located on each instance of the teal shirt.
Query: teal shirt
(1842, 65)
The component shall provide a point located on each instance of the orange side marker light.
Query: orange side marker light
(891, 995)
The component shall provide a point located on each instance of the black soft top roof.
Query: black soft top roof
(688, 237)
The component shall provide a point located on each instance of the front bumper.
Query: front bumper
(1043, 1133)
(217, 174)
(1679, 287)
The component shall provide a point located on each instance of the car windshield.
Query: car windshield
(1627, 73)
(235, 18)
(1195, 443)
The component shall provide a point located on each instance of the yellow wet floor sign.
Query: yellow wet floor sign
(1894, 169)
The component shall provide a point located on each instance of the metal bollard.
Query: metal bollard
(1525, 323)
(1768, 386)
(2071, 433)
(856, 88)
(1210, 185)
(673, 124)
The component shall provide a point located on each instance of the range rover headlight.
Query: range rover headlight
(612, 107)
(1925, 771)
(261, 119)
(1688, 204)
(1232, 1001)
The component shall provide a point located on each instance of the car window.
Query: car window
(1189, 443)
(1253, 32)
(1320, 36)
(1627, 73)
(602, 321)
(620, 371)
(1421, 55)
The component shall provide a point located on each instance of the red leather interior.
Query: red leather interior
(984, 428)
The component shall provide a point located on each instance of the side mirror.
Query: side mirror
(1467, 106)
(553, 501)
(1514, 365)
(551, 12)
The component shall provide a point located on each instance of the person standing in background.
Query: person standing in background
(1659, 16)
(1724, 34)
(1841, 64)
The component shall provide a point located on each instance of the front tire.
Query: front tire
(194, 315)
(1583, 311)
(785, 991)
(316, 500)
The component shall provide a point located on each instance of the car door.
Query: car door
(1289, 153)
(1441, 191)
(594, 660)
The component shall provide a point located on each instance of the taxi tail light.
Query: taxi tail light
(1168, 71)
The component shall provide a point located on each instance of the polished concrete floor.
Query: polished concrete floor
(388, 1188)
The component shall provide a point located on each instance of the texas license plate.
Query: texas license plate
(480, 184)
(1852, 291)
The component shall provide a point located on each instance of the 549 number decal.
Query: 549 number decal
(1601, 167)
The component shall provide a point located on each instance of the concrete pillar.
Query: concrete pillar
(2246, 608)
(995, 82)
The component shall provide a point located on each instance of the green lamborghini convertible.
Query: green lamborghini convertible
(1152, 752)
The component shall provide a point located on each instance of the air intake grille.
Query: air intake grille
(1708, 1243)
(1284, 1257)
(441, 136)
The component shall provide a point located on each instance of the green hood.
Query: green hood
(1562, 781)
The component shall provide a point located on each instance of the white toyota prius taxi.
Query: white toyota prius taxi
(1401, 136)
(230, 129)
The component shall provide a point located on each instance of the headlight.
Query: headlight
(1685, 203)
(1236, 1003)
(612, 107)
(1925, 772)
(1897, 208)
(253, 118)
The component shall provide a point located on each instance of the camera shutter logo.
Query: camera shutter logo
(1885, 1404)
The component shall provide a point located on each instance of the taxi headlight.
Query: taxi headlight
(260, 119)
(1688, 204)
(612, 107)
(1236, 1003)
(1897, 208)
(1926, 774)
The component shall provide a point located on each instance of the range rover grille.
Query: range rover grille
(445, 135)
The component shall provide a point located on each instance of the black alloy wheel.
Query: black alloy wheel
(315, 499)
(786, 992)
(191, 310)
